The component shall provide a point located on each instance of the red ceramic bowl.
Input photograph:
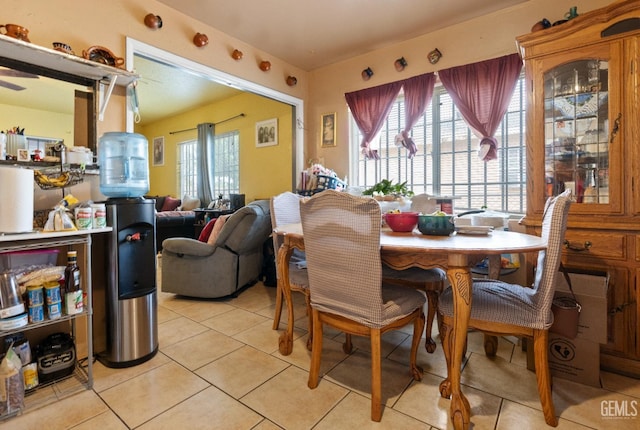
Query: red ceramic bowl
(402, 221)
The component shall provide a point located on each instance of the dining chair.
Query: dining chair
(342, 244)
(285, 209)
(499, 308)
(431, 281)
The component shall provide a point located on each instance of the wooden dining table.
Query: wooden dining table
(456, 254)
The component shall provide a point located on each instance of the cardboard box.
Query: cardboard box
(576, 359)
(591, 293)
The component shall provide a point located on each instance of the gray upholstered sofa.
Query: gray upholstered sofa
(197, 269)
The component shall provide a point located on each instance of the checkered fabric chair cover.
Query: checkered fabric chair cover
(285, 209)
(342, 243)
(498, 301)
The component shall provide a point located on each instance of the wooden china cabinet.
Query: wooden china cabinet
(583, 133)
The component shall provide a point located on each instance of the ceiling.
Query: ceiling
(314, 34)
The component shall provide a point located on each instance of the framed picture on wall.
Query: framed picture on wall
(328, 130)
(158, 151)
(267, 133)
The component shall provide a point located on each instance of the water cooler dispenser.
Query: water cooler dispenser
(131, 293)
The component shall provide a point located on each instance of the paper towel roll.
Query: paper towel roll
(16, 197)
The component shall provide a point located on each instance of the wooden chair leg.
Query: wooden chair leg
(543, 376)
(418, 326)
(376, 376)
(490, 345)
(307, 299)
(316, 351)
(347, 346)
(445, 336)
(278, 311)
(432, 309)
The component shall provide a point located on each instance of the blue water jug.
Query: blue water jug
(124, 164)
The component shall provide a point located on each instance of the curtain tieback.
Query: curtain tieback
(488, 149)
(403, 139)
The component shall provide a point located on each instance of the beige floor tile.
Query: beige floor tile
(105, 421)
(242, 370)
(201, 349)
(177, 330)
(266, 425)
(594, 407)
(255, 298)
(514, 415)
(202, 310)
(60, 415)
(264, 338)
(620, 384)
(172, 301)
(283, 397)
(354, 373)
(332, 355)
(433, 363)
(210, 408)
(152, 393)
(165, 314)
(234, 321)
(501, 378)
(105, 377)
(354, 411)
(423, 402)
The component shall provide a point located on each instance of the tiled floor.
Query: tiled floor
(219, 368)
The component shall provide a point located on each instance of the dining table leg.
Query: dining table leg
(459, 277)
(285, 341)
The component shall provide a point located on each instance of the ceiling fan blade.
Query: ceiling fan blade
(16, 73)
(11, 86)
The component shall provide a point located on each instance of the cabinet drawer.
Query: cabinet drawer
(589, 243)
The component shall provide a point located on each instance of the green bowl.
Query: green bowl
(436, 225)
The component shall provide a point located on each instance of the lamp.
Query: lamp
(367, 73)
(400, 64)
(292, 81)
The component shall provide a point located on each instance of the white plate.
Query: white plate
(475, 229)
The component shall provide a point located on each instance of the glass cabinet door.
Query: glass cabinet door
(577, 130)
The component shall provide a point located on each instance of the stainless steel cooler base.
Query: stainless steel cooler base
(132, 336)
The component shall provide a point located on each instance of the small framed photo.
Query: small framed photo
(158, 151)
(23, 155)
(328, 129)
(267, 133)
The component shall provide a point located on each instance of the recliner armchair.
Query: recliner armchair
(197, 269)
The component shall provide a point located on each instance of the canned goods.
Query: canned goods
(99, 215)
(52, 293)
(35, 295)
(54, 310)
(84, 218)
(36, 313)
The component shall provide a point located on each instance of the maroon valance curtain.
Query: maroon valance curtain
(481, 92)
(370, 107)
(417, 95)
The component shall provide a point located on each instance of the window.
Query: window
(226, 170)
(447, 162)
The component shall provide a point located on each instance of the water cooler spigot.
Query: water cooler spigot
(133, 237)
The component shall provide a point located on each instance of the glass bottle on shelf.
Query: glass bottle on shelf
(576, 128)
(73, 300)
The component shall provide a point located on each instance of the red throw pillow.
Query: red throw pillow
(206, 231)
(170, 204)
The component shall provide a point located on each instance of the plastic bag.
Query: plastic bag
(59, 220)
(11, 384)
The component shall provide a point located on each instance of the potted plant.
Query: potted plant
(387, 190)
